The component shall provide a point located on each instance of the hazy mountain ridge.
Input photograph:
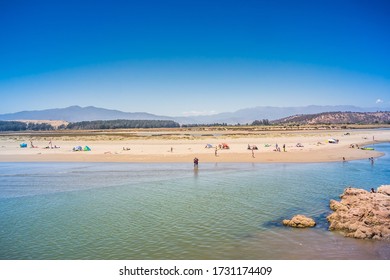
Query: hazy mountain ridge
(338, 118)
(77, 114)
(242, 116)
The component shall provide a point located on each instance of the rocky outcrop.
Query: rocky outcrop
(299, 221)
(385, 189)
(362, 214)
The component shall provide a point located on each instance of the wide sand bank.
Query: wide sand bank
(184, 145)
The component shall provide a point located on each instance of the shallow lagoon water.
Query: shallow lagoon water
(170, 211)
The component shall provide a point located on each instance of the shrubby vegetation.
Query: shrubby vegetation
(262, 122)
(329, 118)
(39, 126)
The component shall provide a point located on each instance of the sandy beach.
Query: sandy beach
(183, 145)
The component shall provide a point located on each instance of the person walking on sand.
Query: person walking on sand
(284, 147)
(32, 145)
(216, 151)
(253, 153)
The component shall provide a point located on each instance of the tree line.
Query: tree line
(115, 124)
(87, 125)
(22, 126)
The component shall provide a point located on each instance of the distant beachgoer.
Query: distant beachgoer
(253, 153)
(343, 158)
(196, 162)
(372, 190)
(216, 151)
(284, 147)
(171, 149)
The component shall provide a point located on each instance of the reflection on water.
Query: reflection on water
(172, 211)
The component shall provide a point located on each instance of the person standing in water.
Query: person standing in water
(196, 162)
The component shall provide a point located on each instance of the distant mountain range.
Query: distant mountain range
(243, 116)
(77, 114)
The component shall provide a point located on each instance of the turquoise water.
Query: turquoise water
(169, 211)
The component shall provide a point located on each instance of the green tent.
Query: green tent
(86, 148)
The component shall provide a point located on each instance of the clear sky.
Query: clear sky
(177, 57)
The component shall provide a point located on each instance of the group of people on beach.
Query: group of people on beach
(50, 146)
(277, 148)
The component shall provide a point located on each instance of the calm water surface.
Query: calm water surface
(168, 211)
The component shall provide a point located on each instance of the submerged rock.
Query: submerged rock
(362, 214)
(300, 221)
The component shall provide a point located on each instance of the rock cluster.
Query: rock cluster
(362, 214)
(299, 221)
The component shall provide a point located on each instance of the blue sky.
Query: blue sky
(193, 57)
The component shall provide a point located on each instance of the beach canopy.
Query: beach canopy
(224, 146)
(333, 141)
(86, 148)
(23, 145)
(209, 146)
(77, 148)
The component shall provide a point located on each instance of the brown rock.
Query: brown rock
(384, 189)
(361, 214)
(300, 221)
(334, 205)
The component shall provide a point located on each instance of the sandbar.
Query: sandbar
(161, 145)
